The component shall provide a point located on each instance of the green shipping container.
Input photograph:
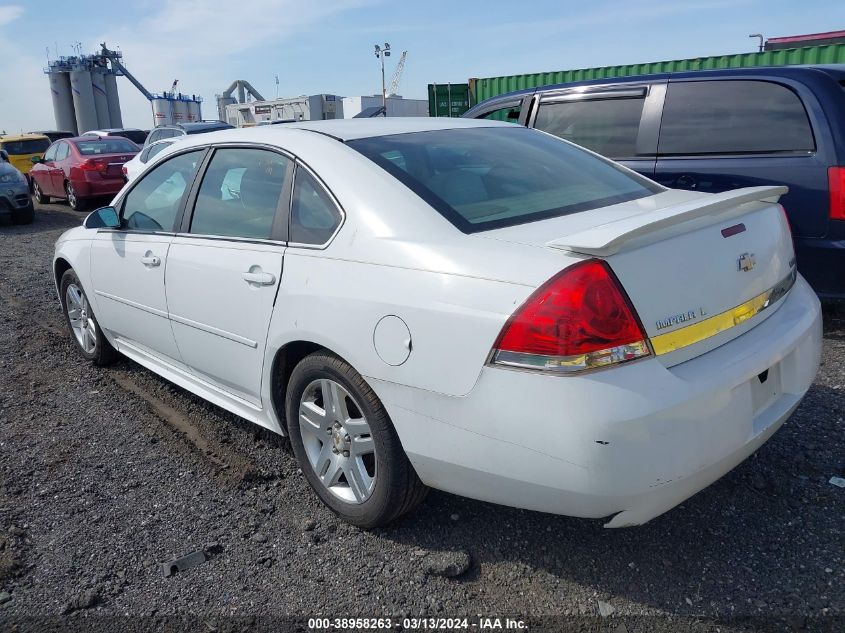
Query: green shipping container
(448, 99)
(481, 89)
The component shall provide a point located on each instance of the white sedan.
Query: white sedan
(466, 305)
(135, 166)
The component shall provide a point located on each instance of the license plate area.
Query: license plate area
(765, 389)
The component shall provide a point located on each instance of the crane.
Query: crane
(397, 75)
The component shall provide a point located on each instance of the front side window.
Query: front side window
(733, 117)
(607, 126)
(314, 217)
(486, 178)
(508, 114)
(50, 154)
(153, 204)
(240, 193)
(62, 151)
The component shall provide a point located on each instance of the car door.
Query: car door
(58, 170)
(619, 121)
(42, 172)
(128, 264)
(225, 266)
(724, 134)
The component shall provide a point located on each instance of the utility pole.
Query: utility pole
(381, 53)
(759, 35)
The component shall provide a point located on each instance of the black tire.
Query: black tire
(24, 216)
(397, 489)
(75, 203)
(103, 352)
(40, 198)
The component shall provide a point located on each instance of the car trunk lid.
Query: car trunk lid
(700, 269)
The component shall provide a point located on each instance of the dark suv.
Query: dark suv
(713, 131)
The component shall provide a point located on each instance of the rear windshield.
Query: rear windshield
(27, 146)
(106, 145)
(486, 178)
(136, 136)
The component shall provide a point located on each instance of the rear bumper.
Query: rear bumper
(822, 261)
(633, 441)
(95, 185)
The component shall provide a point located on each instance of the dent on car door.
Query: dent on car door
(128, 264)
(619, 122)
(224, 268)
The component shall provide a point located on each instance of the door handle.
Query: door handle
(259, 278)
(150, 260)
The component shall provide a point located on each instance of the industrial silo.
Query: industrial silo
(62, 101)
(83, 100)
(193, 113)
(179, 109)
(101, 101)
(222, 102)
(162, 113)
(113, 100)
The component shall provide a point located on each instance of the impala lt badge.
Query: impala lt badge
(746, 262)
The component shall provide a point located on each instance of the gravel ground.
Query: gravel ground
(105, 474)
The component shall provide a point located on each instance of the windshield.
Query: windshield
(26, 146)
(486, 178)
(106, 145)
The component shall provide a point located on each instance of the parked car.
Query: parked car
(183, 129)
(80, 169)
(467, 305)
(22, 148)
(15, 202)
(135, 166)
(54, 135)
(133, 134)
(715, 131)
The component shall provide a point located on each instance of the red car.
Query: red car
(81, 168)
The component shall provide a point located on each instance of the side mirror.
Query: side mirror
(103, 218)
(36, 159)
(4, 155)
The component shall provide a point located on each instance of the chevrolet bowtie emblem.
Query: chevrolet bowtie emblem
(746, 262)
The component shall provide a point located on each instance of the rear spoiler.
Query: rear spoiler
(607, 239)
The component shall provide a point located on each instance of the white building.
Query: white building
(396, 106)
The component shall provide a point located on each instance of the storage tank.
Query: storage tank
(193, 111)
(162, 114)
(113, 99)
(83, 100)
(101, 101)
(179, 109)
(62, 101)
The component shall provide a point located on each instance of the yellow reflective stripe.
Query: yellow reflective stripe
(697, 332)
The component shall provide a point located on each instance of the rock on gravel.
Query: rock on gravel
(447, 564)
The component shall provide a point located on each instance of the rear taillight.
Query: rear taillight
(94, 164)
(579, 319)
(836, 185)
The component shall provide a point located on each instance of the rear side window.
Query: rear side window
(50, 154)
(733, 117)
(606, 126)
(486, 178)
(314, 217)
(240, 193)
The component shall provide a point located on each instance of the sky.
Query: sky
(327, 46)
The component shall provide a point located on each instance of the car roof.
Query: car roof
(108, 130)
(22, 137)
(351, 129)
(764, 71)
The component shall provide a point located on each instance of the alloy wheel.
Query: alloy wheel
(79, 314)
(337, 440)
(71, 195)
